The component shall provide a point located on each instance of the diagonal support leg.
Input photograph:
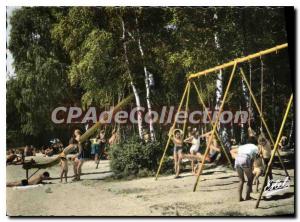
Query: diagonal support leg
(173, 126)
(186, 107)
(215, 126)
(275, 149)
(210, 120)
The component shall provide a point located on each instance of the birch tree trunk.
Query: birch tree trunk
(291, 138)
(219, 89)
(148, 100)
(246, 99)
(135, 92)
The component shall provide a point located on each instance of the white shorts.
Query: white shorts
(194, 149)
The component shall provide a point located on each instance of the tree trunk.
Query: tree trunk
(151, 128)
(135, 92)
(274, 103)
(291, 138)
(219, 91)
(246, 99)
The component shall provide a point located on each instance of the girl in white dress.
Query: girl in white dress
(195, 141)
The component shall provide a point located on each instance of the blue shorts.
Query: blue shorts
(95, 149)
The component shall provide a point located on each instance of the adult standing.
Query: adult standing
(244, 156)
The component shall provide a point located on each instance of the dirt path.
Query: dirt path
(94, 196)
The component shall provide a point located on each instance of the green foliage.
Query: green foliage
(133, 157)
(40, 83)
(74, 56)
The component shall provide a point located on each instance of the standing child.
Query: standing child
(257, 170)
(195, 141)
(265, 150)
(177, 150)
(64, 167)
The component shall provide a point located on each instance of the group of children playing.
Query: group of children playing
(193, 138)
(251, 158)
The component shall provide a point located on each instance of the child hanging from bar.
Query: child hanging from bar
(176, 136)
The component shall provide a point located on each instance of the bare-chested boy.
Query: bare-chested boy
(64, 168)
(177, 150)
(36, 179)
(265, 151)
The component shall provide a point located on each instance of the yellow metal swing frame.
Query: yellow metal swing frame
(233, 64)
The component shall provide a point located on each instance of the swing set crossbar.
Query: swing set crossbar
(232, 64)
(237, 61)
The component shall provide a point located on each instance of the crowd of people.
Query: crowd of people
(251, 158)
(95, 149)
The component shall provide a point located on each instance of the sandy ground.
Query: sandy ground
(97, 196)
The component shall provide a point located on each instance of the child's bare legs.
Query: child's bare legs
(256, 182)
(270, 176)
(13, 184)
(96, 158)
(175, 161)
(178, 163)
(256, 173)
(75, 168)
(192, 161)
(79, 165)
(66, 176)
(62, 172)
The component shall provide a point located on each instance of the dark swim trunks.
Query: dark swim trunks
(24, 182)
